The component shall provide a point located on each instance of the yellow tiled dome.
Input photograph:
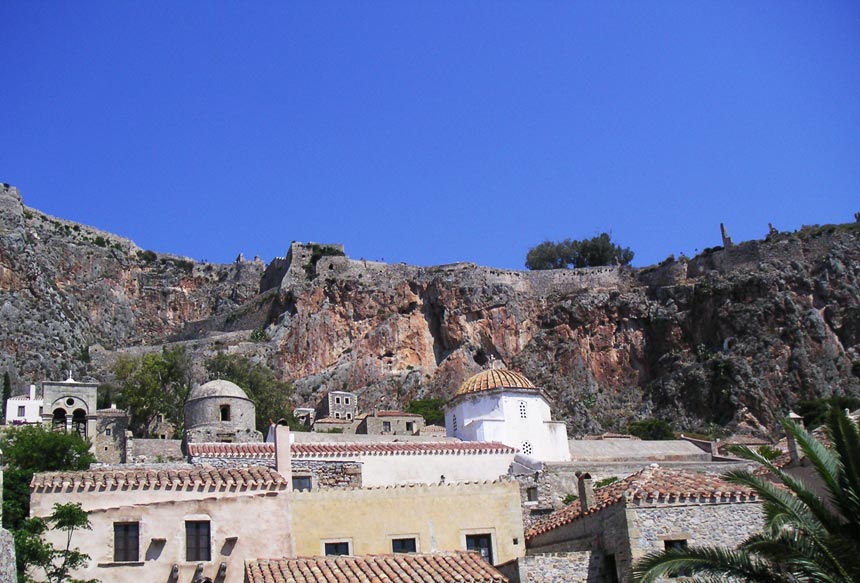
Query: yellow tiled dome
(494, 379)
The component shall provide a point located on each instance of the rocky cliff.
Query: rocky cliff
(752, 327)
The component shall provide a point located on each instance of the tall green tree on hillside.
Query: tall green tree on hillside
(270, 395)
(594, 252)
(806, 539)
(7, 391)
(153, 384)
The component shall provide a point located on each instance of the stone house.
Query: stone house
(172, 524)
(390, 423)
(341, 405)
(599, 536)
(220, 411)
(403, 568)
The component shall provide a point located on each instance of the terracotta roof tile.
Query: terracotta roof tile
(254, 478)
(336, 449)
(490, 379)
(652, 484)
(445, 567)
(396, 414)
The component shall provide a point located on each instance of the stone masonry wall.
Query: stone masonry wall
(535, 510)
(577, 567)
(327, 474)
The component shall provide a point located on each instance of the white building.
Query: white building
(24, 408)
(504, 406)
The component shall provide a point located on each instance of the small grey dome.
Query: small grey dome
(217, 388)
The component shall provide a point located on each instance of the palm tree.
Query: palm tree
(805, 539)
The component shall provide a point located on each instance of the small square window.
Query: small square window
(532, 493)
(337, 400)
(677, 545)
(334, 549)
(159, 418)
(126, 537)
(108, 431)
(301, 483)
(346, 400)
(386, 425)
(403, 545)
(410, 426)
(197, 544)
(21, 412)
(481, 543)
(349, 416)
(337, 415)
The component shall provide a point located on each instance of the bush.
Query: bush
(147, 256)
(656, 429)
(430, 409)
(594, 252)
(259, 335)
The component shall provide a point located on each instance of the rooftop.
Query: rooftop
(651, 484)
(462, 567)
(494, 379)
(337, 449)
(252, 478)
(217, 388)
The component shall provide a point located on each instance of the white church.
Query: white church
(504, 406)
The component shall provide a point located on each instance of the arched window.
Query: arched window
(58, 423)
(526, 448)
(225, 412)
(523, 410)
(79, 422)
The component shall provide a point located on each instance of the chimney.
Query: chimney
(586, 491)
(32, 392)
(282, 451)
(792, 444)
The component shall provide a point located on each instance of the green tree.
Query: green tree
(430, 409)
(271, 396)
(651, 429)
(156, 383)
(594, 252)
(805, 538)
(7, 391)
(33, 552)
(29, 449)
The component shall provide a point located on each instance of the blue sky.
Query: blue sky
(432, 132)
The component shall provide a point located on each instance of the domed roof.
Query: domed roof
(217, 388)
(494, 379)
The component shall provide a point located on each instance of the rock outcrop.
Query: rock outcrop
(746, 330)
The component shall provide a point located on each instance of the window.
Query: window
(337, 400)
(337, 548)
(159, 418)
(532, 494)
(225, 412)
(526, 448)
(454, 422)
(349, 416)
(410, 426)
(346, 400)
(678, 545)
(302, 483)
(386, 425)
(337, 415)
(197, 540)
(21, 411)
(403, 545)
(126, 536)
(108, 431)
(481, 543)
(523, 410)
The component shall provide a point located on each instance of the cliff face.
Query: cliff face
(756, 326)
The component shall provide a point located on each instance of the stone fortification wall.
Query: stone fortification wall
(274, 274)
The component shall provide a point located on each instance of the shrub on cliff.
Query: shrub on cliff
(594, 252)
(651, 429)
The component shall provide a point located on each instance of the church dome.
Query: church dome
(217, 388)
(494, 379)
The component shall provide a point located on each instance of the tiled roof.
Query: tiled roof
(652, 484)
(253, 478)
(494, 379)
(23, 398)
(335, 449)
(333, 420)
(461, 567)
(396, 414)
